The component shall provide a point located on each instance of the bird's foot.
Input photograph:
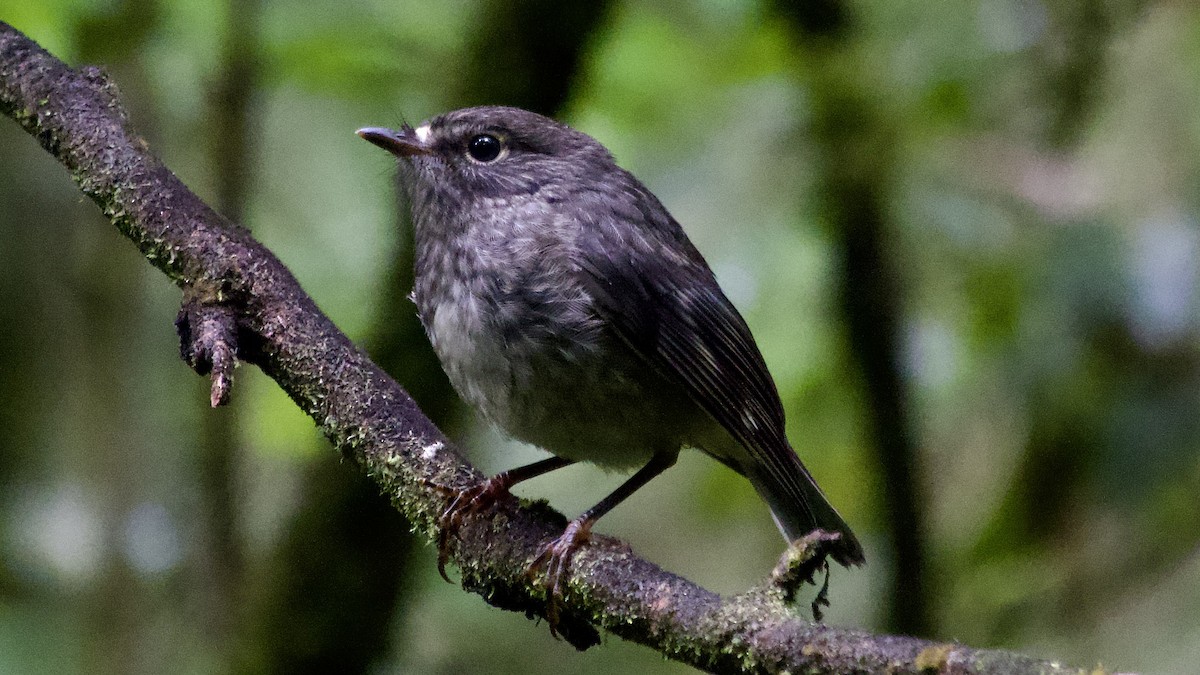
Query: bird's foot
(556, 558)
(471, 500)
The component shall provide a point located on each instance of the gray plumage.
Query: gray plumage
(571, 310)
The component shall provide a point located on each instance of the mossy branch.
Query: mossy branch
(77, 116)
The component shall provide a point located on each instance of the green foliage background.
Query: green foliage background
(1039, 169)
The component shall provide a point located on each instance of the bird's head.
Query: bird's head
(495, 152)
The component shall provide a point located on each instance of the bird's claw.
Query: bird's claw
(556, 557)
(469, 501)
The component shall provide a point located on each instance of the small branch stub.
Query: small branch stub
(799, 566)
(208, 343)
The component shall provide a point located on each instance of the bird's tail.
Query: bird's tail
(799, 507)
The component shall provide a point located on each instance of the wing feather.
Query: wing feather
(659, 294)
(654, 288)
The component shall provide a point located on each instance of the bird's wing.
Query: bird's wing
(655, 289)
(651, 285)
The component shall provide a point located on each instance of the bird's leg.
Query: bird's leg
(556, 556)
(479, 497)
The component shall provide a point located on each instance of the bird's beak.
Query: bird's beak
(403, 142)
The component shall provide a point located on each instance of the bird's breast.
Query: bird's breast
(523, 344)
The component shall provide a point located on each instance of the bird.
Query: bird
(570, 309)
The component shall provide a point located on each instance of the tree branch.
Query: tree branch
(78, 118)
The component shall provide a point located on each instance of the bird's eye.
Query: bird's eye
(484, 148)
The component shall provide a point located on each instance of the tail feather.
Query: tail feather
(801, 507)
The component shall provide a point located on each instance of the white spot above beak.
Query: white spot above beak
(422, 133)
